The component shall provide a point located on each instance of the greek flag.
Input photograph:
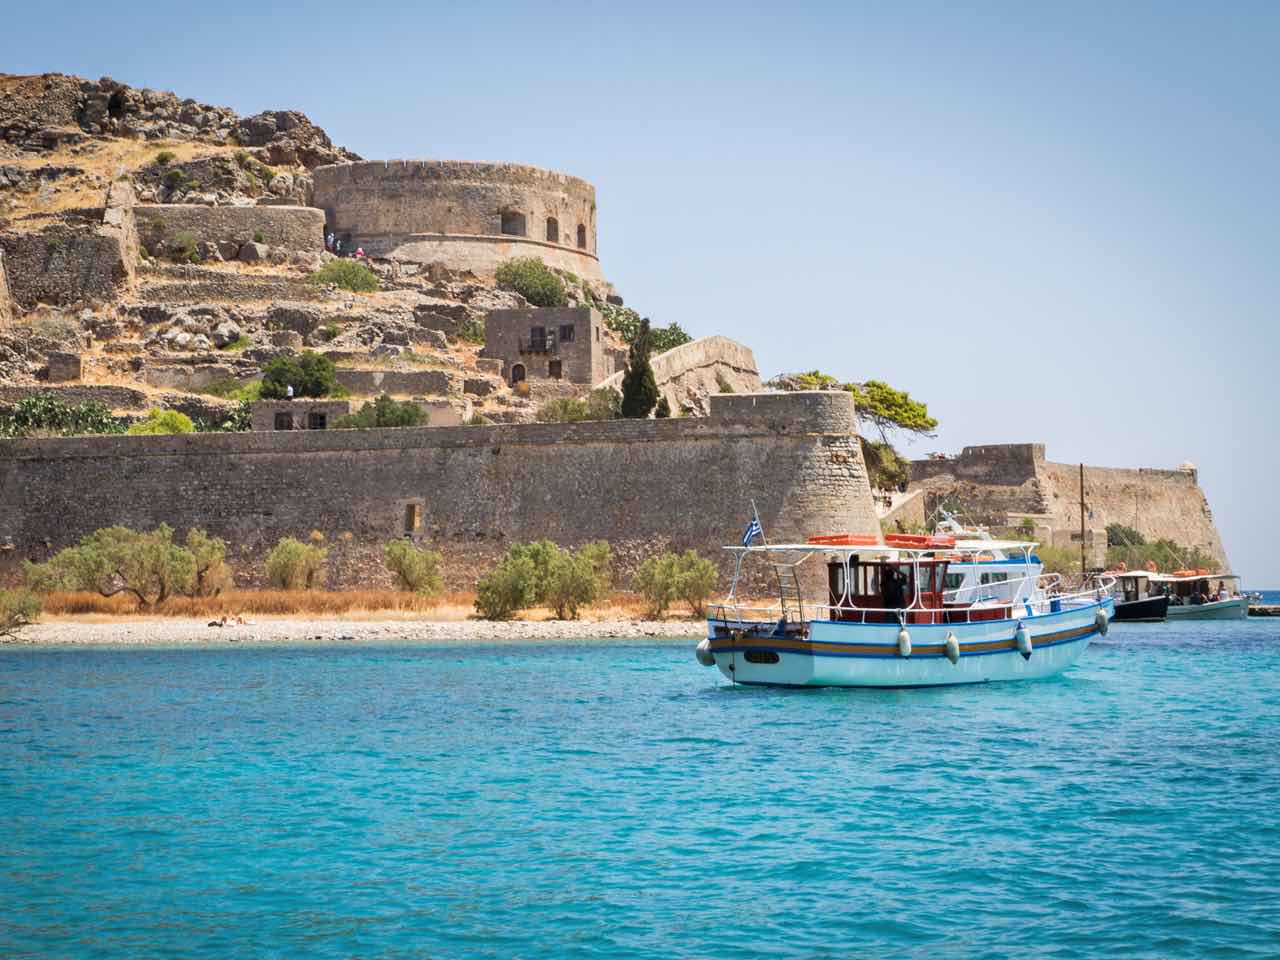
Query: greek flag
(753, 530)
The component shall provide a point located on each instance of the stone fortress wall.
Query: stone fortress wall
(290, 228)
(643, 485)
(701, 367)
(471, 215)
(1000, 484)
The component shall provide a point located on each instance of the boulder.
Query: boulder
(226, 332)
(253, 252)
(228, 249)
(478, 386)
(290, 339)
(437, 339)
(201, 342)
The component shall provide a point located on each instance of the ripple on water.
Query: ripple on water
(617, 800)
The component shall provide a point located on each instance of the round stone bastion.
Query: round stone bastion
(468, 216)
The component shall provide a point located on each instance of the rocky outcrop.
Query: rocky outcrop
(42, 112)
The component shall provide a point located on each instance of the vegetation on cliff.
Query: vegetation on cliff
(533, 280)
(294, 565)
(384, 412)
(309, 373)
(46, 416)
(17, 609)
(348, 275)
(626, 323)
(602, 404)
(161, 422)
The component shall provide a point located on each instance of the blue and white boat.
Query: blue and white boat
(906, 612)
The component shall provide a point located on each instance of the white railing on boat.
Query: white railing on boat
(733, 612)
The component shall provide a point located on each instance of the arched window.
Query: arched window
(517, 373)
(553, 230)
(582, 235)
(513, 223)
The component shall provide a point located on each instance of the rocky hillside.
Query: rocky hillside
(189, 325)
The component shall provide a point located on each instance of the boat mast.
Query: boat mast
(1082, 570)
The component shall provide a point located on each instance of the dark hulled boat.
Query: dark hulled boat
(1151, 609)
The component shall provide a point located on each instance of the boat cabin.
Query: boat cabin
(1193, 587)
(931, 589)
(1133, 586)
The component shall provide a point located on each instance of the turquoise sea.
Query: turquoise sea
(618, 800)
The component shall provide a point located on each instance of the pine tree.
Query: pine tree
(639, 388)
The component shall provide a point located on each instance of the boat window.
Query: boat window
(954, 580)
(760, 656)
(994, 578)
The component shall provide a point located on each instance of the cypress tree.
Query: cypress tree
(639, 388)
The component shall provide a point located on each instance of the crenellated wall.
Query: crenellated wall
(644, 485)
(1000, 484)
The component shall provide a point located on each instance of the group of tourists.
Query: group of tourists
(334, 245)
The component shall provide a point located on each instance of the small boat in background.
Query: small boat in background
(1200, 595)
(1136, 600)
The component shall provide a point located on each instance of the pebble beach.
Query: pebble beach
(185, 631)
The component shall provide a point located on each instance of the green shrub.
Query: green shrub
(533, 280)
(886, 468)
(329, 331)
(159, 422)
(239, 343)
(294, 565)
(165, 157)
(668, 577)
(1118, 535)
(182, 248)
(241, 418)
(45, 415)
(507, 588)
(193, 184)
(384, 412)
(17, 609)
(662, 339)
(471, 330)
(259, 237)
(602, 404)
(347, 274)
(416, 569)
(309, 373)
(173, 178)
(541, 572)
(230, 388)
(148, 565)
(663, 410)
(626, 323)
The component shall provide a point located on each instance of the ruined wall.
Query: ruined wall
(643, 485)
(999, 484)
(698, 369)
(453, 212)
(6, 304)
(88, 256)
(397, 383)
(292, 228)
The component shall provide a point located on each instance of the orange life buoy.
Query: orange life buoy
(918, 541)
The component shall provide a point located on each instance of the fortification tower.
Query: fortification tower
(467, 215)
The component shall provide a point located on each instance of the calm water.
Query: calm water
(618, 801)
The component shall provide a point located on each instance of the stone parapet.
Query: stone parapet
(643, 485)
(286, 227)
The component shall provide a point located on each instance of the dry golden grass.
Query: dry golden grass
(365, 604)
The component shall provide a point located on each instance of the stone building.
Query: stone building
(566, 343)
(472, 216)
(296, 414)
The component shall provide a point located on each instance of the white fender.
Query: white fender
(953, 648)
(1024, 641)
(1102, 622)
(703, 653)
(904, 642)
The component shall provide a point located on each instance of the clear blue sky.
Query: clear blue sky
(1050, 224)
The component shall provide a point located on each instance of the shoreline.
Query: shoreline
(184, 631)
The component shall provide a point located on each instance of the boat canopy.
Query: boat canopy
(879, 549)
(1187, 578)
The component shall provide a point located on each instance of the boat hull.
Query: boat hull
(843, 654)
(1233, 609)
(1148, 610)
